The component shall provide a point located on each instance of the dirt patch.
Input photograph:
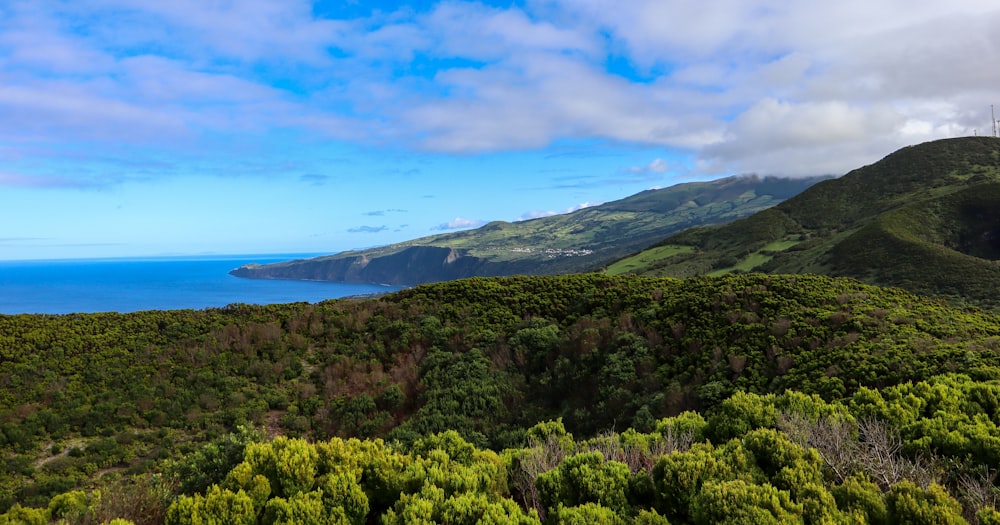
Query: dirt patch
(69, 445)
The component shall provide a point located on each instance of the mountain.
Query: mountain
(568, 243)
(925, 218)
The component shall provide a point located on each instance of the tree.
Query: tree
(217, 506)
(678, 477)
(859, 496)
(210, 464)
(908, 503)
(587, 514)
(739, 502)
(586, 478)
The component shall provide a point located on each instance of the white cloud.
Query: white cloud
(22, 180)
(248, 30)
(835, 85)
(582, 205)
(742, 85)
(460, 223)
(54, 108)
(538, 214)
(477, 32)
(655, 166)
(773, 123)
(535, 214)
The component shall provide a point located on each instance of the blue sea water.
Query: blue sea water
(166, 283)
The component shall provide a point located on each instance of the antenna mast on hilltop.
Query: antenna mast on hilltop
(993, 117)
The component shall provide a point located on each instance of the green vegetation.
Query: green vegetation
(560, 244)
(923, 218)
(755, 259)
(949, 246)
(584, 398)
(916, 453)
(647, 257)
(169, 413)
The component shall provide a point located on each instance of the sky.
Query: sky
(198, 127)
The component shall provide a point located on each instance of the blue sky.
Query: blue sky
(143, 127)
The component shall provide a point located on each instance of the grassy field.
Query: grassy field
(643, 259)
(757, 258)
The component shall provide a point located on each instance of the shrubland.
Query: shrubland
(572, 399)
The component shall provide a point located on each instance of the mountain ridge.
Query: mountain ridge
(902, 221)
(568, 243)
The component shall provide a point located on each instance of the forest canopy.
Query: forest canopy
(581, 398)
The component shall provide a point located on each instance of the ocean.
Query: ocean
(163, 283)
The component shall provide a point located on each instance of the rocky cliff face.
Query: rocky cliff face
(417, 264)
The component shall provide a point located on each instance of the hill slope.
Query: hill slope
(91, 394)
(924, 218)
(568, 243)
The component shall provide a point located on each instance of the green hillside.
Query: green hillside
(923, 218)
(139, 405)
(560, 244)
(585, 398)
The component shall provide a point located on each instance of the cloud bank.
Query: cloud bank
(739, 85)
